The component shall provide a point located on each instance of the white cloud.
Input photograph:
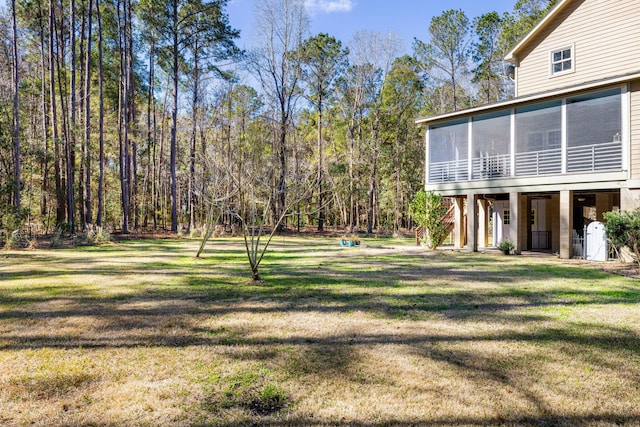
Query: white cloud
(329, 6)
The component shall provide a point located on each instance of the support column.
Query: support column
(514, 220)
(483, 223)
(524, 224)
(554, 214)
(458, 226)
(566, 224)
(472, 223)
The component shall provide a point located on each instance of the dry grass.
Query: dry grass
(141, 333)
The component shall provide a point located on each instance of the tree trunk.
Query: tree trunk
(133, 156)
(320, 195)
(282, 155)
(100, 216)
(174, 120)
(81, 92)
(16, 116)
(194, 128)
(65, 162)
(45, 124)
(87, 121)
(60, 200)
(123, 117)
(70, 154)
(149, 184)
(396, 203)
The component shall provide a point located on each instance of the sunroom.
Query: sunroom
(577, 134)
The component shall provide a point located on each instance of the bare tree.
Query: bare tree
(281, 26)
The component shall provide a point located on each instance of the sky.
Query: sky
(342, 18)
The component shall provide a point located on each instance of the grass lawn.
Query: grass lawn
(141, 333)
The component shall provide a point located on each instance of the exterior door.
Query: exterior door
(501, 221)
(540, 234)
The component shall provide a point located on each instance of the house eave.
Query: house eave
(512, 54)
(514, 102)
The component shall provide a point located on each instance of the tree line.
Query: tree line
(144, 114)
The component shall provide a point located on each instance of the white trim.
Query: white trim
(511, 55)
(426, 157)
(531, 98)
(575, 182)
(516, 62)
(470, 147)
(563, 135)
(572, 49)
(506, 215)
(512, 142)
(632, 183)
(626, 128)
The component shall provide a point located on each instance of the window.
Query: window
(506, 217)
(562, 61)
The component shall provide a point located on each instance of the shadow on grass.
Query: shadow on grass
(512, 295)
(537, 421)
(410, 286)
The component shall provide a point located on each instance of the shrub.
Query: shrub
(97, 235)
(12, 223)
(623, 230)
(428, 210)
(506, 246)
(17, 240)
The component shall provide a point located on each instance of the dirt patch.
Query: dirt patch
(620, 268)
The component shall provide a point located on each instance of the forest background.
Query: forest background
(144, 114)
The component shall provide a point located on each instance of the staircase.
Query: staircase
(448, 220)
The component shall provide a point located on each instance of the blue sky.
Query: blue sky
(343, 18)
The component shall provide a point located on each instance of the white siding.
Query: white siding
(606, 36)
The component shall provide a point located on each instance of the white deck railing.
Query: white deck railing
(457, 170)
(596, 157)
(586, 158)
(491, 167)
(545, 162)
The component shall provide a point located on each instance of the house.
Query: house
(566, 149)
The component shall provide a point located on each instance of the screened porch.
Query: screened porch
(578, 134)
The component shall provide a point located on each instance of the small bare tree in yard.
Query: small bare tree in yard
(256, 230)
(254, 215)
(240, 186)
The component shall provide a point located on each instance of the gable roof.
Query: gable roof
(511, 56)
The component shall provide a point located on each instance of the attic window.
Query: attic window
(562, 61)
